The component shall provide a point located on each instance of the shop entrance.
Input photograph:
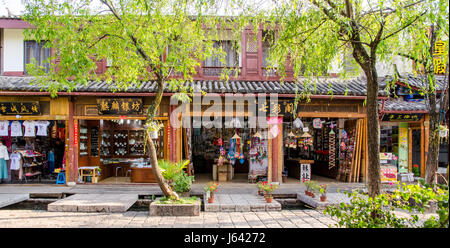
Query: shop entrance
(35, 151)
(322, 149)
(111, 151)
(234, 153)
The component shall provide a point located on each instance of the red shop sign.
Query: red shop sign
(75, 132)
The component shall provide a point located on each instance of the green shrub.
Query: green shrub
(377, 212)
(182, 182)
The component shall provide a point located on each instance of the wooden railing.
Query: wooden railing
(216, 71)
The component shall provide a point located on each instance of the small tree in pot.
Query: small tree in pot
(323, 192)
(268, 189)
(210, 188)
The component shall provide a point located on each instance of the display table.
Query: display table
(224, 172)
(89, 174)
(142, 175)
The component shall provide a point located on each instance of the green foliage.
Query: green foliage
(170, 170)
(182, 182)
(312, 186)
(142, 40)
(182, 200)
(378, 212)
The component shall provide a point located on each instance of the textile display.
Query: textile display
(4, 125)
(42, 128)
(30, 128)
(16, 129)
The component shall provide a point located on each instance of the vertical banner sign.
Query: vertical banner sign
(439, 66)
(75, 132)
(305, 172)
(403, 148)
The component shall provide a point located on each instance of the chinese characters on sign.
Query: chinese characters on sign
(305, 172)
(277, 108)
(439, 66)
(119, 106)
(402, 117)
(20, 108)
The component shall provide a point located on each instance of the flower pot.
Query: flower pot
(210, 200)
(312, 195)
(269, 199)
(211, 195)
(307, 193)
(323, 198)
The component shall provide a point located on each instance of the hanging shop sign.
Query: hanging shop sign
(438, 63)
(277, 108)
(75, 132)
(401, 117)
(20, 108)
(120, 106)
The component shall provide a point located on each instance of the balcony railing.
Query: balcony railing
(217, 71)
(269, 72)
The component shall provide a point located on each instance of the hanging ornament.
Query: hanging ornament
(317, 123)
(332, 148)
(298, 123)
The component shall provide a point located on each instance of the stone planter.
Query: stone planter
(184, 194)
(158, 209)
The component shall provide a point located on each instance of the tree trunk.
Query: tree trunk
(368, 65)
(433, 140)
(151, 113)
(373, 132)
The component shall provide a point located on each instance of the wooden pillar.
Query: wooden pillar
(426, 135)
(72, 155)
(410, 152)
(276, 150)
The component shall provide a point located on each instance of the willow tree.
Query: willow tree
(143, 40)
(427, 47)
(314, 33)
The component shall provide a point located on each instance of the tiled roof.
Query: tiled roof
(322, 86)
(400, 105)
(418, 81)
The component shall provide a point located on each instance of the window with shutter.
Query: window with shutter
(37, 53)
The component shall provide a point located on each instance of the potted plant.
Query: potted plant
(323, 192)
(210, 188)
(182, 184)
(268, 189)
(311, 187)
(260, 188)
(154, 128)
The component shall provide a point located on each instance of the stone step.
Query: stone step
(94, 203)
(240, 203)
(333, 199)
(10, 199)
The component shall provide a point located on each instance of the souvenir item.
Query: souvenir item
(332, 148)
(42, 128)
(298, 123)
(317, 123)
(4, 125)
(16, 129)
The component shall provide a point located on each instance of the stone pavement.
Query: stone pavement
(141, 219)
(94, 203)
(9, 199)
(332, 199)
(240, 203)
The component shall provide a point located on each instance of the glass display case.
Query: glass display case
(84, 141)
